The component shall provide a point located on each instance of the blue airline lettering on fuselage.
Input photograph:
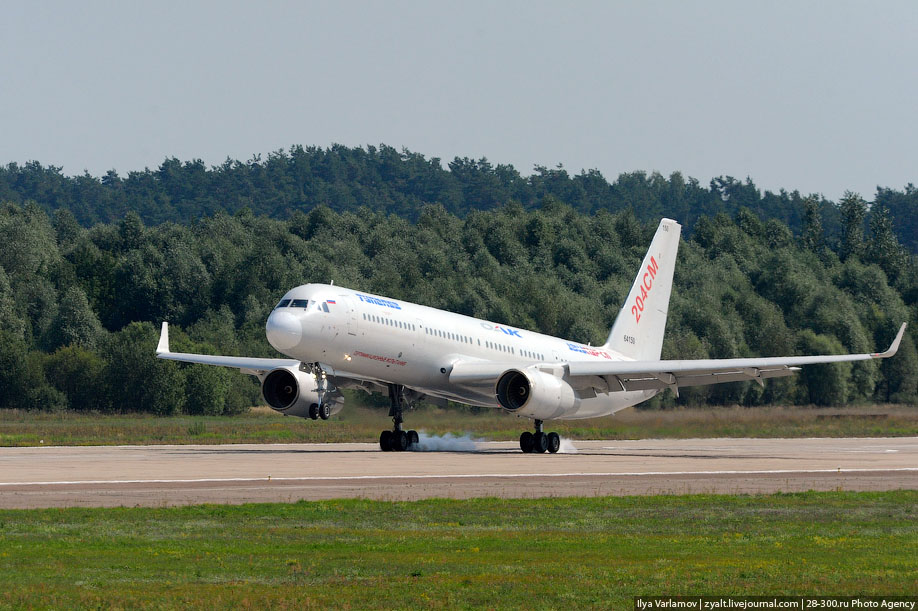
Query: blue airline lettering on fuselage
(504, 330)
(380, 302)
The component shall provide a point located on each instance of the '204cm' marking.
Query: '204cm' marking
(646, 285)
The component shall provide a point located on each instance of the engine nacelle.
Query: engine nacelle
(535, 394)
(291, 391)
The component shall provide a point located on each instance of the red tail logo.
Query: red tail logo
(646, 285)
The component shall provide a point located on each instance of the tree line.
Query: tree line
(80, 306)
(384, 179)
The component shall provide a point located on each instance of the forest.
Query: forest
(88, 272)
(384, 179)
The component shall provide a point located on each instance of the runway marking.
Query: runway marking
(452, 476)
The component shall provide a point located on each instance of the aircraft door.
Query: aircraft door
(351, 316)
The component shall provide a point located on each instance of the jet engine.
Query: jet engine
(535, 394)
(291, 391)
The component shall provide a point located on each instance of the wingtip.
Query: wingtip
(894, 347)
(163, 346)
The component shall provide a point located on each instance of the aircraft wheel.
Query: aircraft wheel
(540, 443)
(385, 441)
(413, 438)
(554, 442)
(527, 442)
(314, 411)
(325, 411)
(399, 441)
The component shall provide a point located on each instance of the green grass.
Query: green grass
(363, 424)
(497, 553)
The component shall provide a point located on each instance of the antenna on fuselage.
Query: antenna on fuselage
(333, 283)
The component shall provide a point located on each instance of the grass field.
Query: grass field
(490, 553)
(363, 424)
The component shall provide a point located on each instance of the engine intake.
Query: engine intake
(535, 394)
(290, 391)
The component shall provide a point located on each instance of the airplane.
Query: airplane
(338, 338)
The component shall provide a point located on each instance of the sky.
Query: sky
(818, 97)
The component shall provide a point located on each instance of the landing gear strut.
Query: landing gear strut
(540, 442)
(396, 440)
(322, 409)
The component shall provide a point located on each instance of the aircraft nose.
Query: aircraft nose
(284, 330)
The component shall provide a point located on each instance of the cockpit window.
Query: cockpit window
(299, 303)
(283, 303)
(324, 307)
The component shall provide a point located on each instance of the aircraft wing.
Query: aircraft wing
(250, 365)
(618, 376)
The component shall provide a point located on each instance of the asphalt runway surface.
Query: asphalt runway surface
(180, 475)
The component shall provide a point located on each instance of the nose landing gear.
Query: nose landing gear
(540, 442)
(322, 409)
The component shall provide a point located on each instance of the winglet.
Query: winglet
(895, 344)
(163, 347)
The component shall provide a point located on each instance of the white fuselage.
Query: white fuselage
(388, 341)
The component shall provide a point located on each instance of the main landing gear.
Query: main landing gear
(322, 411)
(540, 442)
(396, 440)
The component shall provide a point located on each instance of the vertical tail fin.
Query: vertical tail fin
(638, 330)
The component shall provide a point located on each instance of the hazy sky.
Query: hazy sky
(816, 96)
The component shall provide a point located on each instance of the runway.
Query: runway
(230, 474)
